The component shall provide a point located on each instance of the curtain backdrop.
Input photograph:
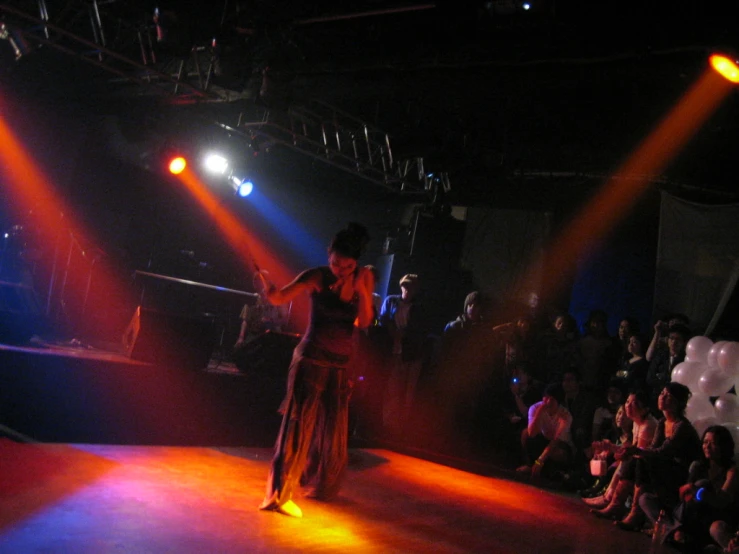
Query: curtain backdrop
(697, 260)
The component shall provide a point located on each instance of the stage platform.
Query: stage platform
(153, 499)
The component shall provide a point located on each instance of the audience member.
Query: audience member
(709, 494)
(403, 319)
(632, 374)
(557, 348)
(581, 405)
(547, 439)
(595, 353)
(612, 504)
(663, 467)
(665, 360)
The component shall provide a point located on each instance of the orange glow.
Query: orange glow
(177, 165)
(36, 202)
(725, 67)
(250, 249)
(625, 187)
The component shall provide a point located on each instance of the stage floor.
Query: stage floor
(155, 499)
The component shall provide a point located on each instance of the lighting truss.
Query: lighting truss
(317, 130)
(337, 138)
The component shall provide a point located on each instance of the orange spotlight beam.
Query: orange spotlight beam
(623, 190)
(250, 249)
(33, 191)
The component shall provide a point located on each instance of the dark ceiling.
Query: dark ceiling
(506, 101)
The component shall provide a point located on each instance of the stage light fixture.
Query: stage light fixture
(242, 186)
(245, 188)
(215, 163)
(726, 67)
(177, 165)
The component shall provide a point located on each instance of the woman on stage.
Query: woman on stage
(311, 447)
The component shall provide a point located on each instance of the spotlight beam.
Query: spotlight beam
(619, 195)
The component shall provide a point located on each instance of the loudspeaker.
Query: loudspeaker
(164, 338)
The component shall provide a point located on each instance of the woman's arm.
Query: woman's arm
(364, 284)
(308, 281)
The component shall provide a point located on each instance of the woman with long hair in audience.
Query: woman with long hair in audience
(663, 467)
(612, 504)
(709, 494)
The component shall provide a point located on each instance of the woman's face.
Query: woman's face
(666, 402)
(619, 418)
(341, 266)
(633, 410)
(635, 346)
(710, 447)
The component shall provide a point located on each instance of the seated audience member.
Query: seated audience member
(663, 467)
(709, 495)
(547, 439)
(581, 405)
(604, 415)
(601, 450)
(520, 394)
(665, 360)
(612, 504)
(633, 371)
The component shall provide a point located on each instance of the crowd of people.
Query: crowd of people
(595, 412)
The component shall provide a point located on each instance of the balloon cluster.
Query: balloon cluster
(711, 371)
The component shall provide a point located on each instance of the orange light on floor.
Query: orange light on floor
(177, 165)
(725, 67)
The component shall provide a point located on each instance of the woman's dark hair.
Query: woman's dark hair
(680, 393)
(642, 400)
(725, 444)
(350, 241)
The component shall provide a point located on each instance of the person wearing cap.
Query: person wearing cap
(401, 316)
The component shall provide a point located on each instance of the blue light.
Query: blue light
(245, 188)
(526, 6)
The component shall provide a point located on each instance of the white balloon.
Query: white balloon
(727, 408)
(702, 424)
(688, 373)
(715, 382)
(712, 357)
(697, 349)
(728, 358)
(699, 407)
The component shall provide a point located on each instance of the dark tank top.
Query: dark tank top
(328, 339)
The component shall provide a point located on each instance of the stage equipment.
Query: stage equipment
(726, 67)
(177, 165)
(170, 339)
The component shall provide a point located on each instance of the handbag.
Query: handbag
(598, 468)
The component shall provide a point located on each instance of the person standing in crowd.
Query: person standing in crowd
(315, 420)
(665, 360)
(595, 353)
(402, 318)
